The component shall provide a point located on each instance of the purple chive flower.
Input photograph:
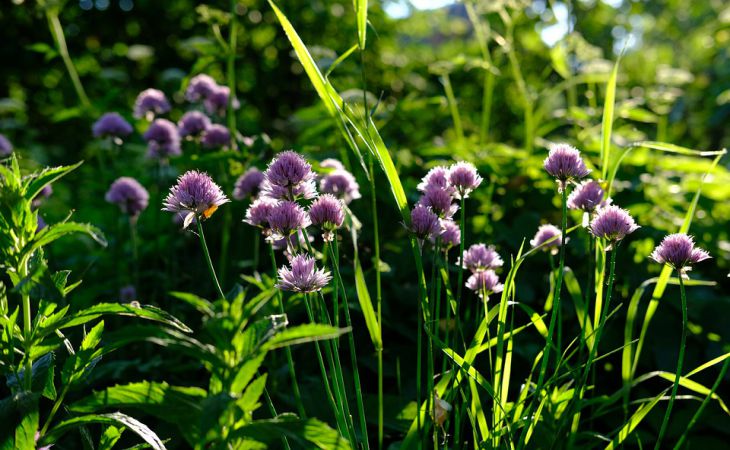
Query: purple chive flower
(331, 163)
(564, 163)
(162, 139)
(248, 184)
(612, 223)
(484, 282)
(286, 217)
(289, 176)
(149, 103)
(216, 136)
(450, 234)
(464, 177)
(192, 123)
(42, 195)
(424, 222)
(341, 184)
(302, 275)
(479, 257)
(547, 238)
(112, 125)
(200, 87)
(587, 196)
(216, 102)
(326, 212)
(127, 293)
(438, 177)
(257, 214)
(440, 201)
(195, 195)
(679, 252)
(6, 148)
(131, 197)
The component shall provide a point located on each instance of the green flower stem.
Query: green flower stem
(199, 220)
(335, 253)
(378, 295)
(287, 349)
(680, 363)
(27, 341)
(135, 249)
(460, 257)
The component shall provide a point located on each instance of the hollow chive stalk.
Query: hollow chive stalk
(335, 254)
(680, 363)
(199, 220)
(289, 358)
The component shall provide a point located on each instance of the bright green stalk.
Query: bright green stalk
(680, 362)
(57, 31)
(135, 251)
(289, 358)
(335, 253)
(199, 220)
(460, 280)
(27, 329)
(419, 349)
(521, 85)
(705, 402)
(453, 107)
(486, 106)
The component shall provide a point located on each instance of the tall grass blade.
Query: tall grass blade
(607, 121)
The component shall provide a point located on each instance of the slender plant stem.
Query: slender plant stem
(453, 107)
(351, 340)
(135, 249)
(705, 402)
(680, 363)
(27, 328)
(460, 280)
(287, 349)
(57, 31)
(419, 349)
(272, 410)
(231, 75)
(199, 221)
(486, 106)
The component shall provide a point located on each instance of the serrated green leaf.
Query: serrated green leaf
(37, 182)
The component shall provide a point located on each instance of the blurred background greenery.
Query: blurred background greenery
(552, 57)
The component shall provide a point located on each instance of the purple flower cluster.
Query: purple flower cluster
(194, 196)
(111, 125)
(326, 212)
(613, 224)
(565, 164)
(588, 196)
(193, 124)
(302, 275)
(248, 184)
(484, 283)
(162, 139)
(482, 260)
(200, 87)
(547, 238)
(450, 234)
(679, 252)
(424, 222)
(257, 214)
(216, 136)
(150, 103)
(289, 177)
(340, 183)
(464, 178)
(286, 218)
(6, 148)
(215, 97)
(131, 197)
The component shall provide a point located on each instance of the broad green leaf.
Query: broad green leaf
(199, 303)
(607, 121)
(148, 312)
(249, 401)
(174, 404)
(59, 230)
(115, 418)
(110, 437)
(38, 181)
(300, 334)
(366, 305)
(246, 372)
(361, 9)
(19, 421)
(305, 433)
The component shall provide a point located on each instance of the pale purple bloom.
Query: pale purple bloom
(216, 136)
(484, 282)
(6, 148)
(464, 178)
(612, 223)
(424, 223)
(192, 123)
(131, 197)
(289, 168)
(437, 177)
(111, 124)
(149, 103)
(326, 212)
(331, 163)
(679, 252)
(305, 190)
(195, 195)
(200, 87)
(548, 237)
(450, 234)
(216, 102)
(42, 195)
(162, 139)
(587, 196)
(341, 184)
(286, 217)
(564, 163)
(248, 184)
(258, 213)
(479, 257)
(127, 293)
(440, 201)
(302, 275)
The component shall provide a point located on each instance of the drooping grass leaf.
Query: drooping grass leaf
(366, 304)
(306, 433)
(115, 418)
(301, 334)
(607, 120)
(634, 421)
